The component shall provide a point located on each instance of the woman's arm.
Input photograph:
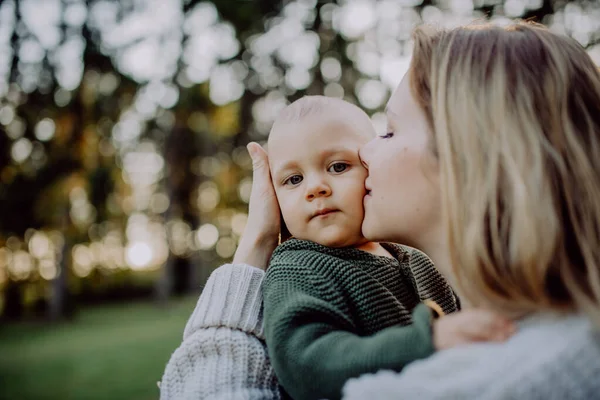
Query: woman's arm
(222, 355)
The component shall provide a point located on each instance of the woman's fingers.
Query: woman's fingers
(259, 159)
(264, 209)
(261, 234)
(262, 187)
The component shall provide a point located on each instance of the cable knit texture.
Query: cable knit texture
(336, 313)
(551, 357)
(222, 355)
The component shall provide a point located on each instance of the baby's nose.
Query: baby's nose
(318, 189)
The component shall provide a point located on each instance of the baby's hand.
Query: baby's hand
(470, 325)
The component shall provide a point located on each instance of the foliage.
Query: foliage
(124, 122)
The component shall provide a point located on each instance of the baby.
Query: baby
(337, 305)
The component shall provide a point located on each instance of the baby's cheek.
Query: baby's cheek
(287, 213)
(358, 193)
(293, 217)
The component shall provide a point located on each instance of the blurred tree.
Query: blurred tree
(123, 123)
(37, 184)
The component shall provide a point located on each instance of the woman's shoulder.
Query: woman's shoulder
(550, 336)
(548, 357)
(551, 356)
(542, 342)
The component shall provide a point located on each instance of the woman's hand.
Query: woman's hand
(261, 234)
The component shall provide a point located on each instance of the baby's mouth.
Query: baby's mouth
(323, 212)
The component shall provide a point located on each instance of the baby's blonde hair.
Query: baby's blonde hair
(319, 106)
(515, 113)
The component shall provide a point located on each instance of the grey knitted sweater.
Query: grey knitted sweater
(551, 357)
(223, 356)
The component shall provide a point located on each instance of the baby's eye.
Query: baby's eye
(293, 180)
(338, 167)
(387, 135)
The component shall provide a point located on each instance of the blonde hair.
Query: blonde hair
(515, 113)
(322, 106)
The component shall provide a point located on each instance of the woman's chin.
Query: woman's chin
(369, 230)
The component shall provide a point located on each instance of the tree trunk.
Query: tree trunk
(58, 306)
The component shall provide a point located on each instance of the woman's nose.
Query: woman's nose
(363, 153)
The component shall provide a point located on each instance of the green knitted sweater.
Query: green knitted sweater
(336, 313)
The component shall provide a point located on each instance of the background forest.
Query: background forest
(124, 178)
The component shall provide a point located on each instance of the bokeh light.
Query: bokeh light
(124, 124)
(207, 236)
(139, 255)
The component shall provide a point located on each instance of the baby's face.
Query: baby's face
(319, 179)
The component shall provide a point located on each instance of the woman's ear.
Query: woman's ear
(284, 234)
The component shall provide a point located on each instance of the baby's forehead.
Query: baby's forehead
(317, 105)
(320, 108)
(345, 125)
(313, 142)
(315, 135)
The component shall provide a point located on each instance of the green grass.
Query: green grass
(111, 352)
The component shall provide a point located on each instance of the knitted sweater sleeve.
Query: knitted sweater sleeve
(312, 345)
(222, 355)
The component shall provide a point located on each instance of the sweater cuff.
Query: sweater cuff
(232, 298)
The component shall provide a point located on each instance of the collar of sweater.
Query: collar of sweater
(350, 254)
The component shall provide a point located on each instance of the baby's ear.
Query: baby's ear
(284, 234)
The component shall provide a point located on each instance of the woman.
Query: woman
(497, 133)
